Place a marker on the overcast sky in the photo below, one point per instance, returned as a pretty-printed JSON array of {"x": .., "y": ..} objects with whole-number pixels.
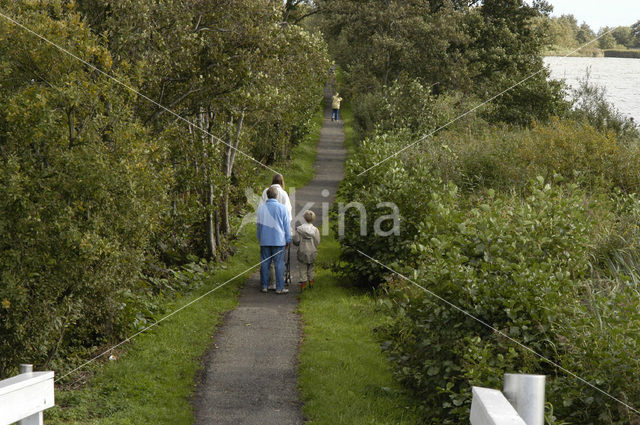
[{"x": 599, "y": 13}]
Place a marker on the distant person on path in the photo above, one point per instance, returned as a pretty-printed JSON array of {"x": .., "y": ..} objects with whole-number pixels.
[
  {"x": 283, "y": 198},
  {"x": 335, "y": 104},
  {"x": 274, "y": 235},
  {"x": 307, "y": 239}
]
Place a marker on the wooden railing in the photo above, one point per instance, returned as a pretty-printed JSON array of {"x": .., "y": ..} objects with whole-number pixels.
[
  {"x": 24, "y": 397},
  {"x": 522, "y": 402}
]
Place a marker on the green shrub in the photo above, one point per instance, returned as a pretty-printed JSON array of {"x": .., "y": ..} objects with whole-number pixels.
[
  {"x": 511, "y": 262},
  {"x": 80, "y": 196},
  {"x": 590, "y": 104},
  {"x": 504, "y": 158},
  {"x": 551, "y": 265}
]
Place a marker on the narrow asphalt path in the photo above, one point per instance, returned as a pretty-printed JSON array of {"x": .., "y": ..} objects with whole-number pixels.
[{"x": 250, "y": 373}]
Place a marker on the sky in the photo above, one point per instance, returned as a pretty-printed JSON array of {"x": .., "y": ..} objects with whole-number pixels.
[{"x": 599, "y": 13}]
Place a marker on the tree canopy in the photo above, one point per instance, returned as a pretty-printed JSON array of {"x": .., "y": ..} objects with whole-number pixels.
[{"x": 101, "y": 187}]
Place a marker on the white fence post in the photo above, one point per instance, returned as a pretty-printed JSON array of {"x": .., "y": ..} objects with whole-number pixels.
[
  {"x": 24, "y": 397},
  {"x": 37, "y": 418},
  {"x": 526, "y": 394},
  {"x": 521, "y": 404},
  {"x": 490, "y": 407}
]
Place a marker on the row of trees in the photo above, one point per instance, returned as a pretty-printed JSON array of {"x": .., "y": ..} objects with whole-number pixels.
[
  {"x": 448, "y": 46},
  {"x": 566, "y": 32},
  {"x": 100, "y": 188}
]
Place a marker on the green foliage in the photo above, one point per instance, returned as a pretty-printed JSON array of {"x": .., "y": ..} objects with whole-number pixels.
[
  {"x": 508, "y": 159},
  {"x": 564, "y": 35},
  {"x": 81, "y": 192},
  {"x": 590, "y": 104},
  {"x": 606, "y": 40},
  {"x": 446, "y": 47},
  {"x": 103, "y": 190},
  {"x": 532, "y": 231},
  {"x": 623, "y": 36},
  {"x": 511, "y": 262},
  {"x": 151, "y": 380},
  {"x": 523, "y": 216}
]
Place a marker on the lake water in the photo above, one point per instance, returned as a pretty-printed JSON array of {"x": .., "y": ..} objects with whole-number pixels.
[{"x": 620, "y": 77}]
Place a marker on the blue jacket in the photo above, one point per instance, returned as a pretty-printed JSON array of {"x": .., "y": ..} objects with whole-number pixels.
[{"x": 273, "y": 224}]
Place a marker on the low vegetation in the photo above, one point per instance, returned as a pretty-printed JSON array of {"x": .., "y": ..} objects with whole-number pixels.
[
  {"x": 633, "y": 54},
  {"x": 523, "y": 214},
  {"x": 151, "y": 380},
  {"x": 530, "y": 230}
]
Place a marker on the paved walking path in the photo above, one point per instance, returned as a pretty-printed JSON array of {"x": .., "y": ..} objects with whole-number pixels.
[{"x": 250, "y": 374}]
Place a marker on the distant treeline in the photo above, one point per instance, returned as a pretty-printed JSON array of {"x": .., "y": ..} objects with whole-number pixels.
[
  {"x": 635, "y": 54},
  {"x": 565, "y": 33}
]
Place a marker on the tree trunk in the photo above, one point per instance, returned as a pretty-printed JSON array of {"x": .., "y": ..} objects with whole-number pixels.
[
  {"x": 212, "y": 246},
  {"x": 226, "y": 225},
  {"x": 229, "y": 160},
  {"x": 217, "y": 226},
  {"x": 209, "y": 228}
]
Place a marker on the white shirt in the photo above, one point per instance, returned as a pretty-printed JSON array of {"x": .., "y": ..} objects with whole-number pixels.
[{"x": 283, "y": 198}]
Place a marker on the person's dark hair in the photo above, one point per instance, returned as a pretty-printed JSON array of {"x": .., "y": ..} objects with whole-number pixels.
[
  {"x": 278, "y": 179},
  {"x": 272, "y": 192}
]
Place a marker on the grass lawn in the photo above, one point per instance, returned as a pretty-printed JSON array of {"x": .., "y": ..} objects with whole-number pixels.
[
  {"x": 344, "y": 378},
  {"x": 154, "y": 377}
]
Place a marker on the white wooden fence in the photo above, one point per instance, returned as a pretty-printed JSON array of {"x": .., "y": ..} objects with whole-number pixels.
[
  {"x": 24, "y": 397},
  {"x": 522, "y": 402}
]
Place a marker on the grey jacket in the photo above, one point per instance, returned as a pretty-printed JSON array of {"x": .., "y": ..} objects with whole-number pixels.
[{"x": 307, "y": 239}]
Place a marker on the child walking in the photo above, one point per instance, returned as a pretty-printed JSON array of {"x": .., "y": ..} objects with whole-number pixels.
[{"x": 307, "y": 239}]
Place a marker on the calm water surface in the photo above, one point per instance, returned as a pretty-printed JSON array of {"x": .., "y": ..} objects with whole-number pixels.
[{"x": 620, "y": 77}]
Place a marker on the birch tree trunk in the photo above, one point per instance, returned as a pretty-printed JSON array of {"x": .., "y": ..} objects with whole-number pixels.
[
  {"x": 209, "y": 227},
  {"x": 212, "y": 245},
  {"x": 229, "y": 160}
]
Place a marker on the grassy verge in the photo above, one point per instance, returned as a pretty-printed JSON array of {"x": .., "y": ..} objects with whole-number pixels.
[
  {"x": 153, "y": 379},
  {"x": 344, "y": 378},
  {"x": 349, "y": 135},
  {"x": 299, "y": 171}
]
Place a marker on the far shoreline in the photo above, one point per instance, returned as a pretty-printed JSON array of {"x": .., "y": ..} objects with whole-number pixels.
[{"x": 595, "y": 53}]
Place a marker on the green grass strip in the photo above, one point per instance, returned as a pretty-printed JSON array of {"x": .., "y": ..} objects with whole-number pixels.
[
  {"x": 344, "y": 377},
  {"x": 299, "y": 171}
]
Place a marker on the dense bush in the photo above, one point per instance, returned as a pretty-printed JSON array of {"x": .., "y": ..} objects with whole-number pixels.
[
  {"x": 505, "y": 158},
  {"x": 549, "y": 260},
  {"x": 521, "y": 212},
  {"x": 508, "y": 261},
  {"x": 80, "y": 193}
]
